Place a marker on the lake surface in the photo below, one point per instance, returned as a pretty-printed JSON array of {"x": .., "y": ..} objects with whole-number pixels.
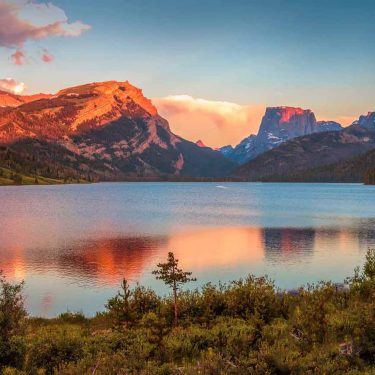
[{"x": 72, "y": 244}]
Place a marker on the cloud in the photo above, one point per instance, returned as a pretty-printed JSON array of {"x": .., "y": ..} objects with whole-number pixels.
[
  {"x": 12, "y": 86},
  {"x": 25, "y": 20},
  {"x": 216, "y": 123},
  {"x": 18, "y": 57},
  {"x": 46, "y": 56}
]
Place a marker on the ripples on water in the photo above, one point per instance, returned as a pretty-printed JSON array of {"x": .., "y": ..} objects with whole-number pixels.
[{"x": 74, "y": 243}]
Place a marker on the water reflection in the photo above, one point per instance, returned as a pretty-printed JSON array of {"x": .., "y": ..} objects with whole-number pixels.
[
  {"x": 292, "y": 256},
  {"x": 106, "y": 261},
  {"x": 281, "y": 244},
  {"x": 217, "y": 247},
  {"x": 73, "y": 244}
]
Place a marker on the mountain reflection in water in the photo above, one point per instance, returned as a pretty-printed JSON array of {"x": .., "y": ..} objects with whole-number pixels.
[{"x": 89, "y": 267}]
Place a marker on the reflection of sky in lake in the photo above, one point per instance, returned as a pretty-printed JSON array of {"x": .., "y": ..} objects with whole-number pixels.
[{"x": 72, "y": 244}]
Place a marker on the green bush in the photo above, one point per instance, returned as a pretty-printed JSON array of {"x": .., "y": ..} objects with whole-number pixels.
[{"x": 52, "y": 347}]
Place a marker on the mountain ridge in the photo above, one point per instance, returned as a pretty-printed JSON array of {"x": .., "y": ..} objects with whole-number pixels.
[
  {"x": 112, "y": 124},
  {"x": 308, "y": 152}
]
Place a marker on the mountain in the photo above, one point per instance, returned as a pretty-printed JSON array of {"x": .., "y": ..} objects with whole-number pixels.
[
  {"x": 349, "y": 170},
  {"x": 108, "y": 129},
  {"x": 328, "y": 126},
  {"x": 367, "y": 121},
  {"x": 278, "y": 125},
  {"x": 241, "y": 152},
  {"x": 299, "y": 159}
]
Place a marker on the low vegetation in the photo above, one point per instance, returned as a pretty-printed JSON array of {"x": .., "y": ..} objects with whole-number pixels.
[{"x": 244, "y": 327}]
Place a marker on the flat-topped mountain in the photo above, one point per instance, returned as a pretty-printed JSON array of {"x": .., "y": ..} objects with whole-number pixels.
[
  {"x": 110, "y": 129},
  {"x": 283, "y": 123}
]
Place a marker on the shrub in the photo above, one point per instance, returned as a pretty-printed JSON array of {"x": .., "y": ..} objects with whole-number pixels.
[
  {"x": 52, "y": 347},
  {"x": 12, "y": 319}
]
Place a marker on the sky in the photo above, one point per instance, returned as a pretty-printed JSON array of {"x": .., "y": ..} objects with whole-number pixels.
[{"x": 210, "y": 66}]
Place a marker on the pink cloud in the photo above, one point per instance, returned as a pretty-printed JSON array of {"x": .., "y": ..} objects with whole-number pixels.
[
  {"x": 12, "y": 86},
  {"x": 47, "y": 57},
  {"x": 18, "y": 57},
  {"x": 25, "y": 20},
  {"x": 217, "y": 123}
]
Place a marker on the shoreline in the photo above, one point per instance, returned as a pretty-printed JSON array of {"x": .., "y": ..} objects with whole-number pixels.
[{"x": 182, "y": 181}]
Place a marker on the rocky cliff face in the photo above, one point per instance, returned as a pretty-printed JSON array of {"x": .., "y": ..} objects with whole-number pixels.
[
  {"x": 111, "y": 124},
  {"x": 282, "y": 123}
]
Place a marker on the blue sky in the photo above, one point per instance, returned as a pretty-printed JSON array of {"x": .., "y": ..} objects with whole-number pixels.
[{"x": 314, "y": 54}]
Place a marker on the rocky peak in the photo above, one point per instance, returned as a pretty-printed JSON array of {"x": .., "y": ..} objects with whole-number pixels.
[
  {"x": 107, "y": 101},
  {"x": 367, "y": 121},
  {"x": 77, "y": 110},
  {"x": 287, "y": 122},
  {"x": 242, "y": 151}
]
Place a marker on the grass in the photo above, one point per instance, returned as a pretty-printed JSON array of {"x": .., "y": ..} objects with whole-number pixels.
[{"x": 7, "y": 173}]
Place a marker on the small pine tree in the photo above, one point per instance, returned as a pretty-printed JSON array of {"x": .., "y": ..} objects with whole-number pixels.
[
  {"x": 173, "y": 277},
  {"x": 119, "y": 306}
]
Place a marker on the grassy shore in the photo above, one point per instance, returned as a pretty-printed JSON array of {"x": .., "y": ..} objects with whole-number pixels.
[
  {"x": 244, "y": 327},
  {"x": 12, "y": 177}
]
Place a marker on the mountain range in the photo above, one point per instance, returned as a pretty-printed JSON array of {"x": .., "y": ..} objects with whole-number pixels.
[{"x": 111, "y": 131}]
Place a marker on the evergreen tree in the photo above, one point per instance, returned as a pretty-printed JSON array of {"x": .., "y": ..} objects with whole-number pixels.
[{"x": 173, "y": 277}]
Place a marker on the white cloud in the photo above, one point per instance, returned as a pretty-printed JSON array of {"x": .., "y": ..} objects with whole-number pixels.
[{"x": 12, "y": 86}]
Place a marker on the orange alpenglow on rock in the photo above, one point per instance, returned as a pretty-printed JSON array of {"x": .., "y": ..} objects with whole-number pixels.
[
  {"x": 109, "y": 129},
  {"x": 200, "y": 143}
]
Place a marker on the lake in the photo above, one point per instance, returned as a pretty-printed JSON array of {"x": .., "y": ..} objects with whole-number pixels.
[{"x": 72, "y": 244}]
